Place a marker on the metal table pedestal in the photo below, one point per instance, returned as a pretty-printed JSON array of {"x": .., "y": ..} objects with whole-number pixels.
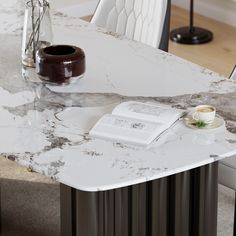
[{"x": 184, "y": 204}]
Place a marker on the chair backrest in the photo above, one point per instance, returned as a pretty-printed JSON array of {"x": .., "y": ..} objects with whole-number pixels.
[
  {"x": 233, "y": 74},
  {"x": 146, "y": 21}
]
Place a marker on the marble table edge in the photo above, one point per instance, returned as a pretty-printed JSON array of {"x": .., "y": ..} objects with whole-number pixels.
[{"x": 137, "y": 180}]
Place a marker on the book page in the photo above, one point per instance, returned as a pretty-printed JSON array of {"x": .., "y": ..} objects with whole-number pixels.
[
  {"x": 131, "y": 130},
  {"x": 148, "y": 111}
]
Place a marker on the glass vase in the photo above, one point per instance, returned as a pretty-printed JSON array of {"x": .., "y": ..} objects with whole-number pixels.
[{"x": 37, "y": 30}]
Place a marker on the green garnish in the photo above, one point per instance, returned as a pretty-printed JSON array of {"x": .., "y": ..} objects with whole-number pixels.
[{"x": 200, "y": 124}]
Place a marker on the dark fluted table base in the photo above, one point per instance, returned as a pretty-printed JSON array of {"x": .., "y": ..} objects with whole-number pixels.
[{"x": 184, "y": 204}]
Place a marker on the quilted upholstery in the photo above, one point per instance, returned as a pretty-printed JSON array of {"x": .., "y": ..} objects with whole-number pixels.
[{"x": 140, "y": 20}]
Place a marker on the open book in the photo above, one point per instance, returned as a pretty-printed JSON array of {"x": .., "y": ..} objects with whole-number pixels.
[{"x": 136, "y": 122}]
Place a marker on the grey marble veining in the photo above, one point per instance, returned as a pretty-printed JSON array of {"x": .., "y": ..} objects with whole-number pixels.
[{"x": 46, "y": 127}]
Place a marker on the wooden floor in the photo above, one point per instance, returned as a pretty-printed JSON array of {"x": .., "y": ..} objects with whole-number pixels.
[{"x": 219, "y": 55}]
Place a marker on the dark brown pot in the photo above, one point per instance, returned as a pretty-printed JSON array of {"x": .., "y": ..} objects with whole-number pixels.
[{"x": 59, "y": 63}]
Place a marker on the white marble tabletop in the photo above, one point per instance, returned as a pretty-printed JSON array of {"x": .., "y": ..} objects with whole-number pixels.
[{"x": 50, "y": 134}]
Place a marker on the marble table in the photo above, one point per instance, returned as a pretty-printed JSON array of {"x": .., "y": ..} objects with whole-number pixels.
[{"x": 108, "y": 187}]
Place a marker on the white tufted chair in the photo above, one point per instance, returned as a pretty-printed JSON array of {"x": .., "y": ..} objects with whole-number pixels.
[
  {"x": 233, "y": 74},
  {"x": 146, "y": 21},
  {"x": 227, "y": 168}
]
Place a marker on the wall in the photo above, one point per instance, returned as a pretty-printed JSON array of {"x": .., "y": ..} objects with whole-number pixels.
[{"x": 221, "y": 10}]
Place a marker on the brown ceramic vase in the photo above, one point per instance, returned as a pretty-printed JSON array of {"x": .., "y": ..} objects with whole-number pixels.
[{"x": 59, "y": 64}]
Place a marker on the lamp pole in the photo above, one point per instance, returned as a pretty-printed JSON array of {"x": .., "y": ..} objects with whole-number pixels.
[{"x": 191, "y": 34}]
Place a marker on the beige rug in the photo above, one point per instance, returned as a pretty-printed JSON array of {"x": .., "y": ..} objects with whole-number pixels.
[
  {"x": 225, "y": 211},
  {"x": 30, "y": 209}
]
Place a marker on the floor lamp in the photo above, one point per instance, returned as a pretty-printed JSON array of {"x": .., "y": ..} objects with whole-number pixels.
[{"x": 191, "y": 34}]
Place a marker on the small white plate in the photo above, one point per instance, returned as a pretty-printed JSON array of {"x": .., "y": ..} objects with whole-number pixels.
[{"x": 217, "y": 123}]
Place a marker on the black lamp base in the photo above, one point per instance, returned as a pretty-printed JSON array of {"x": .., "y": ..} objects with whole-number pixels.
[{"x": 187, "y": 35}]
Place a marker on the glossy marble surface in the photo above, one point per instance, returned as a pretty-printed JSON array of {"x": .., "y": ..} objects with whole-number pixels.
[{"x": 46, "y": 127}]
